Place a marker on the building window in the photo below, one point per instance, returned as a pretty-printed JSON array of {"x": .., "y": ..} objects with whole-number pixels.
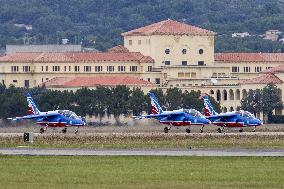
[
  {"x": 157, "y": 81},
  {"x": 14, "y": 68},
  {"x": 87, "y": 68},
  {"x": 98, "y": 68},
  {"x": 150, "y": 68},
  {"x": 235, "y": 69},
  {"x": 26, "y": 68},
  {"x": 69, "y": 68},
  {"x": 77, "y": 68},
  {"x": 56, "y": 68},
  {"x": 246, "y": 69},
  {"x": 184, "y": 63},
  {"x": 121, "y": 68},
  {"x": 148, "y": 41},
  {"x": 183, "y": 51},
  {"x": 130, "y": 42},
  {"x": 110, "y": 68},
  {"x": 42, "y": 68},
  {"x": 15, "y": 81},
  {"x": 268, "y": 67},
  {"x": 193, "y": 75},
  {"x": 167, "y": 51},
  {"x": 201, "y": 51},
  {"x": 46, "y": 68},
  {"x": 201, "y": 63},
  {"x": 65, "y": 68},
  {"x": 139, "y": 42},
  {"x": 133, "y": 68},
  {"x": 167, "y": 62},
  {"x": 27, "y": 84},
  {"x": 187, "y": 74},
  {"x": 149, "y": 79},
  {"x": 257, "y": 69},
  {"x": 180, "y": 74}
]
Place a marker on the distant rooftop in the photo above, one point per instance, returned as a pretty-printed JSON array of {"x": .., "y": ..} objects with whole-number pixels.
[
  {"x": 264, "y": 79},
  {"x": 249, "y": 57},
  {"x": 169, "y": 27},
  {"x": 77, "y": 57},
  {"x": 78, "y": 82},
  {"x": 11, "y": 49}
]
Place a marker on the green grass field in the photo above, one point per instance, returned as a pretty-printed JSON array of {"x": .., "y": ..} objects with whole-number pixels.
[{"x": 140, "y": 172}]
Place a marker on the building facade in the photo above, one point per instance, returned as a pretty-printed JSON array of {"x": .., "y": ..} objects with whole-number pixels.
[{"x": 168, "y": 54}]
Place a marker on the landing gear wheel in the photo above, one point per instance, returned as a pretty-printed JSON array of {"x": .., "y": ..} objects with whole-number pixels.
[
  {"x": 188, "y": 130},
  {"x": 219, "y": 130},
  {"x": 241, "y": 130},
  {"x": 41, "y": 131},
  {"x": 64, "y": 130},
  {"x": 201, "y": 130},
  {"x": 166, "y": 129},
  {"x": 76, "y": 131}
]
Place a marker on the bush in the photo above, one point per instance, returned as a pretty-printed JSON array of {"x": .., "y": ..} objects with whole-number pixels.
[{"x": 276, "y": 119}]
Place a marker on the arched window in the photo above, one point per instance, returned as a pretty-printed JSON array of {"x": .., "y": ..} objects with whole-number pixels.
[
  {"x": 225, "y": 109},
  {"x": 201, "y": 51},
  {"x": 245, "y": 94},
  {"x": 238, "y": 94},
  {"x": 231, "y": 109},
  {"x": 218, "y": 95},
  {"x": 211, "y": 92},
  {"x": 225, "y": 95},
  {"x": 231, "y": 93},
  {"x": 167, "y": 51},
  {"x": 184, "y": 51}
]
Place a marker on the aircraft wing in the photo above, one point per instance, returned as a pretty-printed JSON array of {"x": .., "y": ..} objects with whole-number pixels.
[
  {"x": 35, "y": 116},
  {"x": 169, "y": 114}
]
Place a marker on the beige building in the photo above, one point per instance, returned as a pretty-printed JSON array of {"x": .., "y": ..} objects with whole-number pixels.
[{"x": 167, "y": 53}]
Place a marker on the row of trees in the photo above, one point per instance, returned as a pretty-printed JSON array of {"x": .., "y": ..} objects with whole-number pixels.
[
  {"x": 266, "y": 100},
  {"x": 78, "y": 20},
  {"x": 99, "y": 102}
]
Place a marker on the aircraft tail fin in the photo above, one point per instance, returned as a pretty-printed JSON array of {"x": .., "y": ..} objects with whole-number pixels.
[
  {"x": 32, "y": 108},
  {"x": 208, "y": 108},
  {"x": 155, "y": 105}
]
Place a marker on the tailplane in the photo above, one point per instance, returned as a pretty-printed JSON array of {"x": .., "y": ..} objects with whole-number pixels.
[
  {"x": 32, "y": 110},
  {"x": 155, "y": 105},
  {"x": 208, "y": 108}
]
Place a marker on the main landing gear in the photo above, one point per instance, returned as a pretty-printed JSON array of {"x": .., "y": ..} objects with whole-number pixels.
[
  {"x": 77, "y": 130},
  {"x": 188, "y": 130},
  {"x": 241, "y": 130},
  {"x": 219, "y": 130},
  {"x": 42, "y": 130},
  {"x": 201, "y": 130},
  {"x": 166, "y": 129},
  {"x": 64, "y": 130},
  {"x": 254, "y": 129}
]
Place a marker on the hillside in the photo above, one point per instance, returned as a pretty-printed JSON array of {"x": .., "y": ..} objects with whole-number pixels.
[{"x": 102, "y": 21}]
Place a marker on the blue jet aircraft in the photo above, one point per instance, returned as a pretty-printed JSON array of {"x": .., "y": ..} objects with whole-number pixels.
[
  {"x": 182, "y": 117},
  {"x": 230, "y": 119},
  {"x": 57, "y": 118}
]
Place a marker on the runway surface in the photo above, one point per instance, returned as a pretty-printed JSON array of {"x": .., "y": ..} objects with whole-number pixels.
[{"x": 142, "y": 152}]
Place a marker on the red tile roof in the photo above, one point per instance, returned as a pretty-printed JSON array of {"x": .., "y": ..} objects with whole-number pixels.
[
  {"x": 118, "y": 49},
  {"x": 249, "y": 57},
  {"x": 168, "y": 27},
  {"x": 77, "y": 57},
  {"x": 264, "y": 79},
  {"x": 74, "y": 82},
  {"x": 277, "y": 69}
]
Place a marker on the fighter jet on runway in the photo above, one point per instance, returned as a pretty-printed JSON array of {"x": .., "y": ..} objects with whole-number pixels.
[
  {"x": 57, "y": 118},
  {"x": 182, "y": 117},
  {"x": 230, "y": 119}
]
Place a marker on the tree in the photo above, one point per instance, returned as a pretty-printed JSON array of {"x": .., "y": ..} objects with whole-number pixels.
[
  {"x": 192, "y": 100},
  {"x": 253, "y": 101},
  {"x": 174, "y": 98},
  {"x": 271, "y": 99},
  {"x": 137, "y": 101}
]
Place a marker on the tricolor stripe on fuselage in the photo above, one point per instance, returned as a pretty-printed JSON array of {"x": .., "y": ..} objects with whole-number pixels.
[{"x": 208, "y": 109}]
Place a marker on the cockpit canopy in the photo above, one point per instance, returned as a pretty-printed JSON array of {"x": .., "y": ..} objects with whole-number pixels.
[
  {"x": 193, "y": 112},
  {"x": 245, "y": 114},
  {"x": 68, "y": 113}
]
